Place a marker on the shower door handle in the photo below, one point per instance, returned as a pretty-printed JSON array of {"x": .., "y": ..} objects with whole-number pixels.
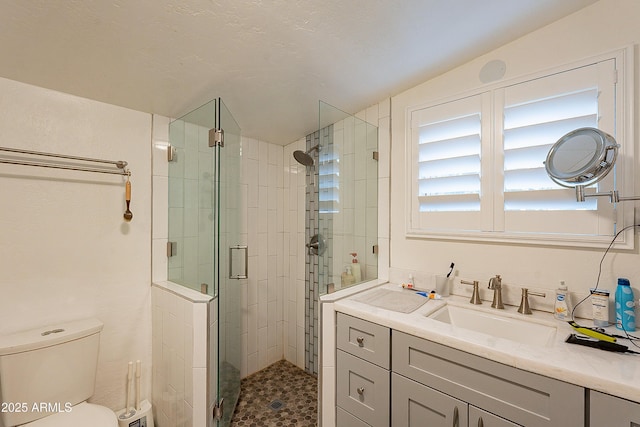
[{"x": 244, "y": 275}]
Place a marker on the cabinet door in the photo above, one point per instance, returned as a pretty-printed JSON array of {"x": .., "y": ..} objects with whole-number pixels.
[
  {"x": 416, "y": 405},
  {"x": 610, "y": 411},
  {"x": 345, "y": 419},
  {"x": 480, "y": 418}
]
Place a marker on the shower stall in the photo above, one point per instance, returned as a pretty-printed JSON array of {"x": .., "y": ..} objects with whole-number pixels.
[
  {"x": 208, "y": 246},
  {"x": 341, "y": 218},
  {"x": 207, "y": 249}
]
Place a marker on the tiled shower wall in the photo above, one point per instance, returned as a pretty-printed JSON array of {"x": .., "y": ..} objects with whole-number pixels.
[
  {"x": 263, "y": 300},
  {"x": 295, "y": 255},
  {"x": 312, "y": 261}
]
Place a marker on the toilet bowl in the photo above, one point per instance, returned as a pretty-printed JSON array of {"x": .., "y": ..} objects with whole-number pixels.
[
  {"x": 84, "y": 414},
  {"x": 51, "y": 371}
]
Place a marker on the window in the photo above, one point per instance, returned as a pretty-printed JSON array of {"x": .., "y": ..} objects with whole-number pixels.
[
  {"x": 329, "y": 180},
  {"x": 477, "y": 161},
  {"x": 449, "y": 162},
  {"x": 448, "y": 176}
]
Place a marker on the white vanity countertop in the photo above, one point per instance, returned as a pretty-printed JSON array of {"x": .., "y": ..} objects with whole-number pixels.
[{"x": 614, "y": 373}]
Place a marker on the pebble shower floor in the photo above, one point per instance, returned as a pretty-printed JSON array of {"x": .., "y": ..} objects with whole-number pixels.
[{"x": 279, "y": 395}]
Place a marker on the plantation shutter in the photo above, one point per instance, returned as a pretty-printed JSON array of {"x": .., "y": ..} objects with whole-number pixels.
[
  {"x": 536, "y": 114},
  {"x": 329, "y": 181},
  {"x": 447, "y": 153}
]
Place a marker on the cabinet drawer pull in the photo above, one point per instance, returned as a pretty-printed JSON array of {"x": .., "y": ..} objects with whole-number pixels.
[
  {"x": 480, "y": 422},
  {"x": 456, "y": 417},
  {"x": 360, "y": 341},
  {"x": 360, "y": 390}
]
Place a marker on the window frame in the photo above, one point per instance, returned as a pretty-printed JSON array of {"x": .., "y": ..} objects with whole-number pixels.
[{"x": 624, "y": 172}]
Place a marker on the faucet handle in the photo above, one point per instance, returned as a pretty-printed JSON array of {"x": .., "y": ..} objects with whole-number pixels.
[
  {"x": 524, "y": 302},
  {"x": 475, "y": 297}
]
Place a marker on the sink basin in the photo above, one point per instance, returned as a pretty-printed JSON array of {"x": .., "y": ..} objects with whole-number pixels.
[{"x": 497, "y": 324}]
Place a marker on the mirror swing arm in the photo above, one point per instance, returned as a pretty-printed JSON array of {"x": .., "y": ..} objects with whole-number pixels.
[
  {"x": 614, "y": 196},
  {"x": 581, "y": 158}
]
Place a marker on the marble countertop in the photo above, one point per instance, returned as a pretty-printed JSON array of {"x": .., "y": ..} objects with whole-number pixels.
[{"x": 613, "y": 373}]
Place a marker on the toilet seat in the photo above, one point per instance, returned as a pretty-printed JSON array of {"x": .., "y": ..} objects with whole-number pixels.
[{"x": 81, "y": 415}]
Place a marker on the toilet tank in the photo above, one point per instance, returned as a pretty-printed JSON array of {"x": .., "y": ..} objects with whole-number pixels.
[{"x": 48, "y": 369}]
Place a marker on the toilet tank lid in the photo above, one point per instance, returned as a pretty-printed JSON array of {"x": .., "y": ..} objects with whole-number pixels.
[{"x": 46, "y": 336}]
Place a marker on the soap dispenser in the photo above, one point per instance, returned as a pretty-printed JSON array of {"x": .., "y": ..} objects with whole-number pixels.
[
  {"x": 355, "y": 268},
  {"x": 562, "y": 306}
]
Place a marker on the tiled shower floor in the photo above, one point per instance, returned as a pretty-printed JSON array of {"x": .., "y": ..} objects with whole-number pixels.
[{"x": 279, "y": 395}]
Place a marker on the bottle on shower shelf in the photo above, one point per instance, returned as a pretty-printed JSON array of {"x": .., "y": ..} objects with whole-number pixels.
[
  {"x": 355, "y": 268},
  {"x": 347, "y": 277}
]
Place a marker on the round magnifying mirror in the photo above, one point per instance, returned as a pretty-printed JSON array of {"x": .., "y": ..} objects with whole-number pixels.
[{"x": 581, "y": 157}]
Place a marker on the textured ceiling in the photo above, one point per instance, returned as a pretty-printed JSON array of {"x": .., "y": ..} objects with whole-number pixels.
[{"x": 270, "y": 61}]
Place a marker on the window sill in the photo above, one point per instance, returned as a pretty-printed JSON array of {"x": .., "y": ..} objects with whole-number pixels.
[{"x": 624, "y": 242}]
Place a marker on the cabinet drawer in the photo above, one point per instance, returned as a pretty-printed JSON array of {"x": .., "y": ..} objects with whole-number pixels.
[
  {"x": 520, "y": 396},
  {"x": 364, "y": 339},
  {"x": 345, "y": 419},
  {"x": 362, "y": 389},
  {"x": 416, "y": 405}
]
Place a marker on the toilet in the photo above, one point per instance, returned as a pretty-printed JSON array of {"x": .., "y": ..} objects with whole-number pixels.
[{"x": 48, "y": 373}]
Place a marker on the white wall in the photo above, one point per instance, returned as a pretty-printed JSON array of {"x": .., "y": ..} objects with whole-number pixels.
[
  {"x": 66, "y": 251},
  {"x": 602, "y": 27}
]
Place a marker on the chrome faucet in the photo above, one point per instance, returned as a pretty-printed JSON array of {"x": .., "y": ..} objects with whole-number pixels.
[{"x": 495, "y": 283}]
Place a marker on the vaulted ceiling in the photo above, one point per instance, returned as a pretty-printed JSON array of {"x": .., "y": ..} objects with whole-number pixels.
[{"x": 270, "y": 61}]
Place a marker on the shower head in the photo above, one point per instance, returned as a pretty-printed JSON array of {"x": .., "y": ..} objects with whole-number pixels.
[{"x": 304, "y": 157}]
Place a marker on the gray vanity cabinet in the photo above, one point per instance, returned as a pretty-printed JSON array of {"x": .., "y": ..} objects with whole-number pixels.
[
  {"x": 610, "y": 411},
  {"x": 362, "y": 373},
  {"x": 519, "y": 396},
  {"x": 387, "y": 378}
]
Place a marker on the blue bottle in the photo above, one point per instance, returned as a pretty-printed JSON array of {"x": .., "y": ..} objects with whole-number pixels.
[{"x": 625, "y": 306}]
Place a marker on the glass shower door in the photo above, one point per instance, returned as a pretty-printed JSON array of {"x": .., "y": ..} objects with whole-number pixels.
[
  {"x": 231, "y": 256},
  {"x": 347, "y": 199},
  {"x": 205, "y": 227}
]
